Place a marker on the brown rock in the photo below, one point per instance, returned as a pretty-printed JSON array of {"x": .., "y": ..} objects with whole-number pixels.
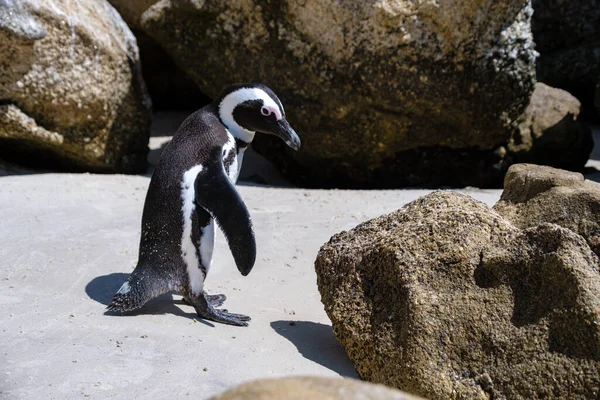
[
  {"x": 71, "y": 93},
  {"x": 534, "y": 195},
  {"x": 551, "y": 133},
  {"x": 447, "y": 299},
  {"x": 383, "y": 93},
  {"x": 305, "y": 388}
]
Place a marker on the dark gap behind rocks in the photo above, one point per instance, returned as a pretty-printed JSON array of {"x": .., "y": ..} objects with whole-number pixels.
[{"x": 169, "y": 87}]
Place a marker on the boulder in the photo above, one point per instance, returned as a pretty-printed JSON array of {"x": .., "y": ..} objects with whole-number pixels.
[
  {"x": 383, "y": 93},
  {"x": 71, "y": 91},
  {"x": 169, "y": 87},
  {"x": 551, "y": 133},
  {"x": 447, "y": 299},
  {"x": 567, "y": 36},
  {"x": 534, "y": 195},
  {"x": 308, "y": 388}
]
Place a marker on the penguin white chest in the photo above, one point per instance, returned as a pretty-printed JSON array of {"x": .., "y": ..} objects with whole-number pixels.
[
  {"x": 189, "y": 253},
  {"x": 197, "y": 260}
]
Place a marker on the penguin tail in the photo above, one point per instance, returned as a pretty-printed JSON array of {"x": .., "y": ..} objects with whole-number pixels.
[
  {"x": 136, "y": 292},
  {"x": 128, "y": 298}
]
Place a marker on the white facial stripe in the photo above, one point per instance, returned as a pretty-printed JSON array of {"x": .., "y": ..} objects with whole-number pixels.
[
  {"x": 233, "y": 99},
  {"x": 188, "y": 251}
]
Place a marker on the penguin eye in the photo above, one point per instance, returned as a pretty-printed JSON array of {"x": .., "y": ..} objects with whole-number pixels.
[{"x": 265, "y": 111}]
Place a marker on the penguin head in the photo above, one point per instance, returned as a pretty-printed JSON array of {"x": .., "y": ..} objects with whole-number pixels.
[{"x": 252, "y": 107}]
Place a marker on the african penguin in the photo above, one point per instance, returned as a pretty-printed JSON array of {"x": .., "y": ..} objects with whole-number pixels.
[{"x": 192, "y": 188}]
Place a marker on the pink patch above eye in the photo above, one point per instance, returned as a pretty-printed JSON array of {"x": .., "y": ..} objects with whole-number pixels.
[{"x": 267, "y": 110}]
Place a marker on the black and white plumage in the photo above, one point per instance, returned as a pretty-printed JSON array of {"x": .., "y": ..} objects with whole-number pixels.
[{"x": 191, "y": 188}]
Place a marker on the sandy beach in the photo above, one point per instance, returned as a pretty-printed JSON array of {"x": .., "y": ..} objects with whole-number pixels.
[
  {"x": 441, "y": 95},
  {"x": 69, "y": 242}
]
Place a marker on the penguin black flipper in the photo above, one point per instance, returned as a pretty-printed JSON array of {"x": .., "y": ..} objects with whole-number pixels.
[{"x": 218, "y": 196}]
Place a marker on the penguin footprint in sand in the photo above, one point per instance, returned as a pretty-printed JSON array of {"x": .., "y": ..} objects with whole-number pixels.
[{"x": 191, "y": 188}]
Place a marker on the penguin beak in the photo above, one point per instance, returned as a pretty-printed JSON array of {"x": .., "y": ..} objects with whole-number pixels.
[{"x": 287, "y": 134}]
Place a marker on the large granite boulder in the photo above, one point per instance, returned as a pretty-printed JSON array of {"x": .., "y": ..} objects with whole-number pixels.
[
  {"x": 446, "y": 299},
  {"x": 309, "y": 388},
  {"x": 71, "y": 91},
  {"x": 383, "y": 93},
  {"x": 551, "y": 133},
  {"x": 535, "y": 194},
  {"x": 567, "y": 36}
]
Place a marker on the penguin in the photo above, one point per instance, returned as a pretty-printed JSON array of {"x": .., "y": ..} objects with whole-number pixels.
[{"x": 191, "y": 190}]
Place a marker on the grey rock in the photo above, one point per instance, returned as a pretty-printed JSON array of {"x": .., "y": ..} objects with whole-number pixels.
[
  {"x": 15, "y": 20},
  {"x": 71, "y": 91}
]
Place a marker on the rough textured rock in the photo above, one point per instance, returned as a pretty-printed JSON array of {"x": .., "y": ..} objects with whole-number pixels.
[
  {"x": 446, "y": 299},
  {"x": 71, "y": 92},
  {"x": 168, "y": 85},
  {"x": 567, "y": 36},
  {"x": 551, "y": 132},
  {"x": 383, "y": 93},
  {"x": 534, "y": 195},
  {"x": 305, "y": 388}
]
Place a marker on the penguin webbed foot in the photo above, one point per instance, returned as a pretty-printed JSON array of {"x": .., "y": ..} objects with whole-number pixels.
[
  {"x": 205, "y": 307},
  {"x": 215, "y": 300}
]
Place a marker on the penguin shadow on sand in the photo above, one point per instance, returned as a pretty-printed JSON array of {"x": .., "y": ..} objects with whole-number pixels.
[
  {"x": 317, "y": 343},
  {"x": 102, "y": 288}
]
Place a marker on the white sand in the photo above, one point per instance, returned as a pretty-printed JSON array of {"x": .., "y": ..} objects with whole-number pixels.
[{"x": 68, "y": 243}]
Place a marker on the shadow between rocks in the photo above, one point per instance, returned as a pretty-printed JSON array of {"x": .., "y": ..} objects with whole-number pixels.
[
  {"x": 317, "y": 343},
  {"x": 102, "y": 288},
  {"x": 595, "y": 155},
  {"x": 592, "y": 174}
]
